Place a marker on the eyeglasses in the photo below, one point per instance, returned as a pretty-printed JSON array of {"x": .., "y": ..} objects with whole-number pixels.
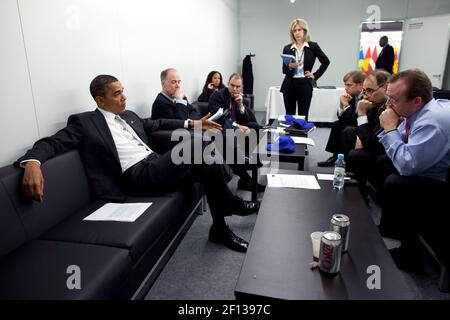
[
  {"x": 391, "y": 99},
  {"x": 369, "y": 91}
]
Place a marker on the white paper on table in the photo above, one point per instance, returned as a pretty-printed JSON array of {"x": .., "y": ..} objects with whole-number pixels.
[
  {"x": 277, "y": 130},
  {"x": 329, "y": 177},
  {"x": 303, "y": 140},
  {"x": 123, "y": 212},
  {"x": 292, "y": 181},
  {"x": 283, "y": 117}
]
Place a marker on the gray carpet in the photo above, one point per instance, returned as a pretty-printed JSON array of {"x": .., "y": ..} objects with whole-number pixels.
[{"x": 201, "y": 270}]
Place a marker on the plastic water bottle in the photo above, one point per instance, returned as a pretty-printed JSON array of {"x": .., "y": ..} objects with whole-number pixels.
[{"x": 339, "y": 172}]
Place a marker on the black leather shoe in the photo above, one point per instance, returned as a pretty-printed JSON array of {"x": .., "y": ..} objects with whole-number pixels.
[
  {"x": 327, "y": 163},
  {"x": 250, "y": 163},
  {"x": 225, "y": 236},
  {"x": 247, "y": 185},
  {"x": 245, "y": 208},
  {"x": 408, "y": 261}
]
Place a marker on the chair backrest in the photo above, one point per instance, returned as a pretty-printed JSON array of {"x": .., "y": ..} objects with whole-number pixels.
[
  {"x": 12, "y": 232},
  {"x": 66, "y": 191},
  {"x": 201, "y": 107},
  {"x": 441, "y": 94}
]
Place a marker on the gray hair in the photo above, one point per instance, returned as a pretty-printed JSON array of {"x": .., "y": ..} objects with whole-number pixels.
[{"x": 164, "y": 73}]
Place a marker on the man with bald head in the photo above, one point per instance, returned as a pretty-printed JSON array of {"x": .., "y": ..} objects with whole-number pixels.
[{"x": 171, "y": 102}]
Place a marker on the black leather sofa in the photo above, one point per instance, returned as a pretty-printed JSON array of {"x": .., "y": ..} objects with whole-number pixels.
[{"x": 39, "y": 242}]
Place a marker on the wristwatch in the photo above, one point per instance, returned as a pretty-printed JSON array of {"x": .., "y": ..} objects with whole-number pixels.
[{"x": 190, "y": 124}]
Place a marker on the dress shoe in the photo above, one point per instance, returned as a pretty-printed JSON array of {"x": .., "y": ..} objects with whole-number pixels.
[
  {"x": 224, "y": 235},
  {"x": 250, "y": 162},
  {"x": 327, "y": 163},
  {"x": 408, "y": 260},
  {"x": 244, "y": 184},
  {"x": 245, "y": 208}
]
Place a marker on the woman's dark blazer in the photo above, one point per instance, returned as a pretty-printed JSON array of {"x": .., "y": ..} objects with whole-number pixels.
[{"x": 311, "y": 53}]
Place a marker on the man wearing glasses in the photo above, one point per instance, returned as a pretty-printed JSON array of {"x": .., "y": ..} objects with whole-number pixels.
[
  {"x": 365, "y": 148},
  {"x": 416, "y": 136}
]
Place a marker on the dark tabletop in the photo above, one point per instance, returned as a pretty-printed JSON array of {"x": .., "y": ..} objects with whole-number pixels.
[{"x": 277, "y": 261}]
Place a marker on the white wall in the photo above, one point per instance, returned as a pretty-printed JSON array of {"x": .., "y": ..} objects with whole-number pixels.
[
  {"x": 52, "y": 49},
  {"x": 335, "y": 25}
]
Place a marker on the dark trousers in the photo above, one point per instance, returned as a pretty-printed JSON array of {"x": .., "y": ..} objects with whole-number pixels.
[
  {"x": 157, "y": 174},
  {"x": 348, "y": 139},
  {"x": 414, "y": 205},
  {"x": 335, "y": 143},
  {"x": 299, "y": 93}
]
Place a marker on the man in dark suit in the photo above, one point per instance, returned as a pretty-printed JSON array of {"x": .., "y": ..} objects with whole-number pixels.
[
  {"x": 171, "y": 102},
  {"x": 353, "y": 83},
  {"x": 235, "y": 117},
  {"x": 385, "y": 59},
  {"x": 230, "y": 99},
  {"x": 367, "y": 159},
  {"x": 113, "y": 145}
]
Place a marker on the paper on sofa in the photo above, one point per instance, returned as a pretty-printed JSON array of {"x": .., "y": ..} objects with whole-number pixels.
[{"x": 122, "y": 212}]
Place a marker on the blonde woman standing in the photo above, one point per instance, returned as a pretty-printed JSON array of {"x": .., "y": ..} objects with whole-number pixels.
[{"x": 297, "y": 87}]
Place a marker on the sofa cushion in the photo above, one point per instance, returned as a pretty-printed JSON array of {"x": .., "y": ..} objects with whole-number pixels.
[
  {"x": 66, "y": 191},
  {"x": 135, "y": 236},
  {"x": 12, "y": 233},
  {"x": 38, "y": 270}
]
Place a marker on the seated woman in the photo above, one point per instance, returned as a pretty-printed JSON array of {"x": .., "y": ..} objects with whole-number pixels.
[{"x": 213, "y": 83}]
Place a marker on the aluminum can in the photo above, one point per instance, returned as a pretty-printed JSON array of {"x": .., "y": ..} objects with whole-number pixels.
[
  {"x": 330, "y": 252},
  {"x": 341, "y": 224}
]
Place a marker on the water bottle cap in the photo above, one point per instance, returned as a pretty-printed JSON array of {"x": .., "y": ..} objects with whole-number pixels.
[{"x": 340, "y": 156}]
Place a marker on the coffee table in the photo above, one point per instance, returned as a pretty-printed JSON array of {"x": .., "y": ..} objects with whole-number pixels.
[
  {"x": 298, "y": 156},
  {"x": 276, "y": 265}
]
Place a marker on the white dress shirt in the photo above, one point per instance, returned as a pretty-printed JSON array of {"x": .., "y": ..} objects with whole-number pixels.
[
  {"x": 300, "y": 57},
  {"x": 130, "y": 148}
]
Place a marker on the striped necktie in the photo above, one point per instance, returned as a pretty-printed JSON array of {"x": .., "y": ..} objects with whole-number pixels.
[{"x": 130, "y": 130}]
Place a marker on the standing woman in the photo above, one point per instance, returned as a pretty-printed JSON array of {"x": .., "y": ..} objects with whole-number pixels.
[
  {"x": 297, "y": 87},
  {"x": 213, "y": 83}
]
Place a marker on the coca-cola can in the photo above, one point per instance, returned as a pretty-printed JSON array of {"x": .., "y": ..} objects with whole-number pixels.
[
  {"x": 330, "y": 252},
  {"x": 341, "y": 224}
]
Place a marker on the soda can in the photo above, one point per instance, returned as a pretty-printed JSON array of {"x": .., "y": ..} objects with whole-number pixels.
[
  {"x": 341, "y": 224},
  {"x": 330, "y": 252}
]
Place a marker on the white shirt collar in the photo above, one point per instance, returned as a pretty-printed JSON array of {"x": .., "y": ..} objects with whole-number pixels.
[
  {"x": 294, "y": 45},
  {"x": 107, "y": 114}
]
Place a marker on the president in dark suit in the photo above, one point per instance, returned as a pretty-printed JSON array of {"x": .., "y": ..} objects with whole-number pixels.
[
  {"x": 297, "y": 88},
  {"x": 171, "y": 103},
  {"x": 113, "y": 144},
  {"x": 385, "y": 59}
]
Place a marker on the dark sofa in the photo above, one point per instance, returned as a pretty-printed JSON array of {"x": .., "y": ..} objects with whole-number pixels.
[{"x": 40, "y": 241}]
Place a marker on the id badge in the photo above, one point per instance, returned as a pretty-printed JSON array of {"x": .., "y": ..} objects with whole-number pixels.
[{"x": 299, "y": 72}]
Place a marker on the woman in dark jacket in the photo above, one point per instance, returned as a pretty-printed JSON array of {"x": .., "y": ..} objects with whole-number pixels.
[
  {"x": 213, "y": 83},
  {"x": 297, "y": 87}
]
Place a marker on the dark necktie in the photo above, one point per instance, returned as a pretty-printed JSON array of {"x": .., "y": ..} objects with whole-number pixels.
[
  {"x": 407, "y": 130},
  {"x": 233, "y": 109}
]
